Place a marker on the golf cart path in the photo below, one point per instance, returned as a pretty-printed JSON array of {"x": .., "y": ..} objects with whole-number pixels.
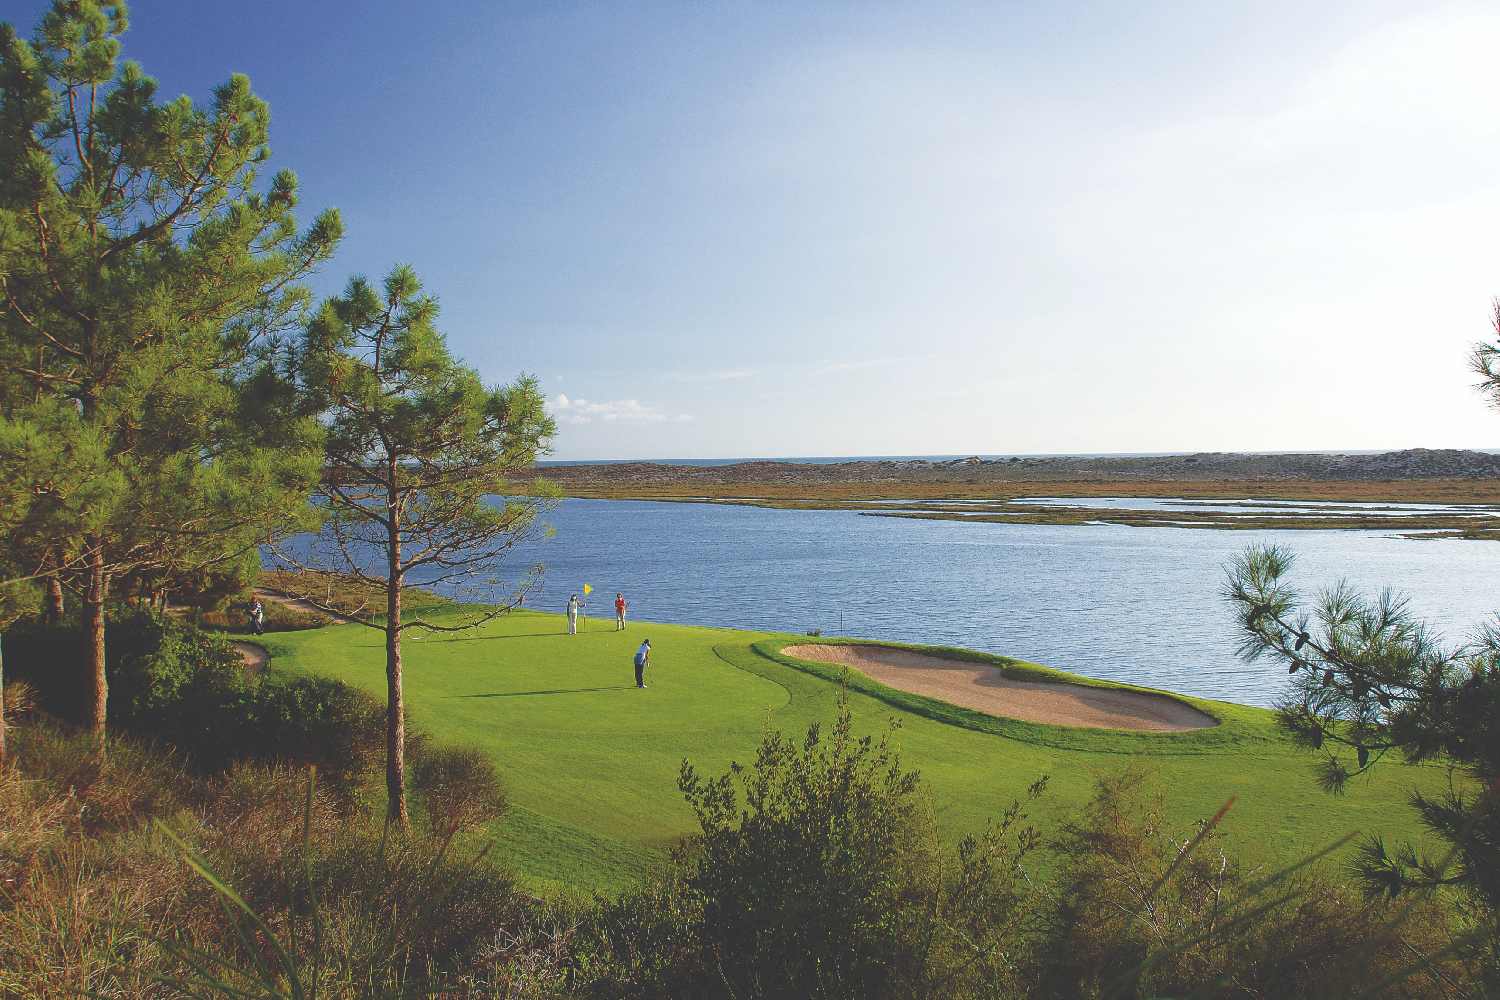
[{"x": 982, "y": 686}]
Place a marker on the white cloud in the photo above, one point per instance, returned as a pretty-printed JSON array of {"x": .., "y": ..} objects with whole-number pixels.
[{"x": 578, "y": 411}]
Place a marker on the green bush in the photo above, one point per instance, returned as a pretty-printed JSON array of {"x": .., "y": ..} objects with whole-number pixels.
[
  {"x": 827, "y": 882},
  {"x": 179, "y": 684},
  {"x": 167, "y": 679},
  {"x": 315, "y": 720},
  {"x": 174, "y": 683},
  {"x": 838, "y": 822}
]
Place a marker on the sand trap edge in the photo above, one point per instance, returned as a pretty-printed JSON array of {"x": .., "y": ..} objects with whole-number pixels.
[{"x": 981, "y": 685}]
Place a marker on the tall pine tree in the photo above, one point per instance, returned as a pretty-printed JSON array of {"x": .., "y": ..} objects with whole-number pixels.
[
  {"x": 418, "y": 453},
  {"x": 142, "y": 262}
]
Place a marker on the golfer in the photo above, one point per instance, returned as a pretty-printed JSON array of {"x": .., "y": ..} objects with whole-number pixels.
[
  {"x": 642, "y": 656},
  {"x": 258, "y": 617},
  {"x": 620, "y": 612},
  {"x": 574, "y": 606}
]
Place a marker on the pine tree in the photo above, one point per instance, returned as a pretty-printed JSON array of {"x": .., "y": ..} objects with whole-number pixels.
[
  {"x": 418, "y": 452},
  {"x": 1368, "y": 678},
  {"x": 142, "y": 265}
]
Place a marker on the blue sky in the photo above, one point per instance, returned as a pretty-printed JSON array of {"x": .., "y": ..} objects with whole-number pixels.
[{"x": 791, "y": 229}]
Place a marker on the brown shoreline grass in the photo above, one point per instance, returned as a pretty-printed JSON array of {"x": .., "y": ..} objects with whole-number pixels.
[
  {"x": 1446, "y": 491},
  {"x": 862, "y": 496}
]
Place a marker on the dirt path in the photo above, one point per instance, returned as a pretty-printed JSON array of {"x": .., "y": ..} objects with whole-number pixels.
[
  {"x": 297, "y": 604},
  {"x": 983, "y": 687},
  {"x": 254, "y": 655}
]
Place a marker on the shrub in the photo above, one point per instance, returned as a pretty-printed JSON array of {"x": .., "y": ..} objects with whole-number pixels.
[
  {"x": 120, "y": 790},
  {"x": 183, "y": 686},
  {"x": 168, "y": 680},
  {"x": 646, "y": 942},
  {"x": 20, "y": 700},
  {"x": 415, "y": 909},
  {"x": 532, "y": 960},
  {"x": 161, "y": 666},
  {"x": 79, "y": 922},
  {"x": 177, "y": 684},
  {"x": 1146, "y": 910},
  {"x": 460, "y": 789},
  {"x": 112, "y": 910},
  {"x": 828, "y": 882},
  {"x": 315, "y": 720},
  {"x": 253, "y": 817},
  {"x": 802, "y": 892}
]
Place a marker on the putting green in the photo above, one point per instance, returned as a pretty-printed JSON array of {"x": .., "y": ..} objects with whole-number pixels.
[{"x": 591, "y": 762}]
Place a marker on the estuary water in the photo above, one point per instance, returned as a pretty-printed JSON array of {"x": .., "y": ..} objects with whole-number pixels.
[{"x": 1140, "y": 605}]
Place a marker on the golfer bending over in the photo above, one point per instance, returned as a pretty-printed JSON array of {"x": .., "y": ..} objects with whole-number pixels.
[{"x": 641, "y": 656}]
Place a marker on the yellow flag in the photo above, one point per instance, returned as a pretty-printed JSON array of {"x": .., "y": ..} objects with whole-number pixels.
[{"x": 587, "y": 590}]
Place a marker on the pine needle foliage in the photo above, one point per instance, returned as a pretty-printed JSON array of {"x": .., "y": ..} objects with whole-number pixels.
[
  {"x": 1368, "y": 678},
  {"x": 418, "y": 452},
  {"x": 144, "y": 261}
]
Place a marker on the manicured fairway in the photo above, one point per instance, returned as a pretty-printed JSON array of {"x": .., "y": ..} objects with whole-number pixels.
[{"x": 591, "y": 762}]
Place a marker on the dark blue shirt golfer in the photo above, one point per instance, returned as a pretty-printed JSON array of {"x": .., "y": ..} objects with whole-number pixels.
[{"x": 641, "y": 656}]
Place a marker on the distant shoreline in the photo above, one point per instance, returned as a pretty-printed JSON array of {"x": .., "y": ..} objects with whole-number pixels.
[
  {"x": 1415, "y": 476},
  {"x": 1412, "y": 476},
  {"x": 960, "y": 456}
]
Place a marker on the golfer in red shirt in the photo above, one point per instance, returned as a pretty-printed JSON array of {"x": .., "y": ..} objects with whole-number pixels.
[{"x": 619, "y": 612}]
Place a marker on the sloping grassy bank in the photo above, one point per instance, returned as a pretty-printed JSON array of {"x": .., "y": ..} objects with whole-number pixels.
[{"x": 591, "y": 763}]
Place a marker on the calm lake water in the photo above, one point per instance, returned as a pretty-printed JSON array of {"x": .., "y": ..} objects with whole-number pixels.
[{"x": 1131, "y": 604}]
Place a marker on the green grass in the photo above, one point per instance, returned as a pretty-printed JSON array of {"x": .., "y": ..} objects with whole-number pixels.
[{"x": 591, "y": 763}]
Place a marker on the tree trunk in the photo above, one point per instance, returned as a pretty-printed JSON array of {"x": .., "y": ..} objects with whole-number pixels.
[
  {"x": 54, "y": 612},
  {"x": 93, "y": 632},
  {"x": 395, "y": 711},
  {"x": 94, "y": 598},
  {"x": 2, "y": 702}
]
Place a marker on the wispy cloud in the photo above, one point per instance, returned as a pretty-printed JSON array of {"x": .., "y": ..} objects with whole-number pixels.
[
  {"x": 720, "y": 375},
  {"x": 579, "y": 411},
  {"x": 857, "y": 364}
]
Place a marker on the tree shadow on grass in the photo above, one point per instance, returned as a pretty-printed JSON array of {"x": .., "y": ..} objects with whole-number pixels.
[
  {"x": 430, "y": 638},
  {"x": 520, "y": 694},
  {"x": 516, "y": 635}
]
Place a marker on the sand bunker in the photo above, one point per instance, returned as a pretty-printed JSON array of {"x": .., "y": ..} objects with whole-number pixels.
[
  {"x": 983, "y": 687},
  {"x": 254, "y": 655}
]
